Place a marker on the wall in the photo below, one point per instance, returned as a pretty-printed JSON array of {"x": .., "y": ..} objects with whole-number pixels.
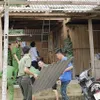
[
  {"x": 80, "y": 40},
  {"x": 96, "y": 35}
]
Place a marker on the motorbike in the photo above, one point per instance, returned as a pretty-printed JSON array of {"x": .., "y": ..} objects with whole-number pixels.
[{"x": 90, "y": 87}]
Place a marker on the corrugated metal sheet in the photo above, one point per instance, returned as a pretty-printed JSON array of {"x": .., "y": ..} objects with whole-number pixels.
[
  {"x": 52, "y": 7},
  {"x": 50, "y": 75}
]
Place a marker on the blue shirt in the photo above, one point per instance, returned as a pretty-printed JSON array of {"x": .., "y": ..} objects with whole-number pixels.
[{"x": 66, "y": 76}]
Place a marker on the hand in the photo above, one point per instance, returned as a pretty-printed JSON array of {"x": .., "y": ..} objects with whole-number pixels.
[
  {"x": 18, "y": 62},
  {"x": 64, "y": 71},
  {"x": 58, "y": 82},
  {"x": 35, "y": 76}
]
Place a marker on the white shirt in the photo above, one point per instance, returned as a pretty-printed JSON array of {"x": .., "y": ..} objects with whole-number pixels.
[{"x": 33, "y": 53}]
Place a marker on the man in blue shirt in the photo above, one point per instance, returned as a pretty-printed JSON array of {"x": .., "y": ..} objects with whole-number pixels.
[{"x": 66, "y": 76}]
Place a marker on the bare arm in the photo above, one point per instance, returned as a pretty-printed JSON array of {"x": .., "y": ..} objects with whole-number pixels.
[
  {"x": 26, "y": 70},
  {"x": 68, "y": 68},
  {"x": 16, "y": 58}
]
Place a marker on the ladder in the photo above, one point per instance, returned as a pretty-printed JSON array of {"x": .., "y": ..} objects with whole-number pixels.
[
  {"x": 44, "y": 38},
  {"x": 44, "y": 34}
]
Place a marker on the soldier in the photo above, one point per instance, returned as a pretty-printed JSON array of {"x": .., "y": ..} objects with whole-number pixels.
[
  {"x": 9, "y": 55},
  {"x": 10, "y": 82},
  {"x": 16, "y": 55},
  {"x": 10, "y": 75}
]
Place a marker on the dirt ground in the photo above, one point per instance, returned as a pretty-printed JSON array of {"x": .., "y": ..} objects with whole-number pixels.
[{"x": 74, "y": 93}]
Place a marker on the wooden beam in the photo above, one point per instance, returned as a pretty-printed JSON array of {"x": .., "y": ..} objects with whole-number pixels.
[
  {"x": 52, "y": 15},
  {"x": 50, "y": 2},
  {"x": 38, "y": 14},
  {"x": 64, "y": 29},
  {"x": 36, "y": 18},
  {"x": 90, "y": 28},
  {"x": 63, "y": 32},
  {"x": 0, "y": 45}
]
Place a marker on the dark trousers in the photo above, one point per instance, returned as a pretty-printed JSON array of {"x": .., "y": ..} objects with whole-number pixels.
[
  {"x": 26, "y": 87},
  {"x": 35, "y": 64},
  {"x": 63, "y": 90}
]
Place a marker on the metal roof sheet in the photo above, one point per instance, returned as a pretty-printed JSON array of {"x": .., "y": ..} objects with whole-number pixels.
[{"x": 56, "y": 8}]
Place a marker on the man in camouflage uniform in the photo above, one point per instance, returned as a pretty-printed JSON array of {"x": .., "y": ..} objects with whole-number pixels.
[
  {"x": 10, "y": 75},
  {"x": 16, "y": 55}
]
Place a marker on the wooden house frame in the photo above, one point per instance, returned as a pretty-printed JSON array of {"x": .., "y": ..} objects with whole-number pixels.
[{"x": 58, "y": 15}]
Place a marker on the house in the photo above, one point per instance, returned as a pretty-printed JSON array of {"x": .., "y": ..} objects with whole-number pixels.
[{"x": 50, "y": 22}]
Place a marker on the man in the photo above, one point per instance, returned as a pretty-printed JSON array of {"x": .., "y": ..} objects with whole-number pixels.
[
  {"x": 41, "y": 64},
  {"x": 10, "y": 81},
  {"x": 16, "y": 54},
  {"x": 37, "y": 72},
  {"x": 10, "y": 74},
  {"x": 24, "y": 73},
  {"x": 66, "y": 75},
  {"x": 34, "y": 55}
]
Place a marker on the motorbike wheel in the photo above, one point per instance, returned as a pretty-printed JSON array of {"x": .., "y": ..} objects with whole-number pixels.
[{"x": 95, "y": 86}]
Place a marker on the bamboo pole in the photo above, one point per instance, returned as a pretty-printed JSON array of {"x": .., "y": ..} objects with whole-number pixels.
[
  {"x": 91, "y": 45},
  {"x": 6, "y": 26}
]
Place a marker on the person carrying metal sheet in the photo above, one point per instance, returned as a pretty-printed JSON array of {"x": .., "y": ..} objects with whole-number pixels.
[
  {"x": 66, "y": 76},
  {"x": 24, "y": 73},
  {"x": 42, "y": 65}
]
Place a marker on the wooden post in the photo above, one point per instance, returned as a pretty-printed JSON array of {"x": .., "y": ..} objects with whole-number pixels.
[
  {"x": 90, "y": 28},
  {"x": 50, "y": 48},
  {"x": 6, "y": 26},
  {"x": 0, "y": 44},
  {"x": 64, "y": 29},
  {"x": 63, "y": 33}
]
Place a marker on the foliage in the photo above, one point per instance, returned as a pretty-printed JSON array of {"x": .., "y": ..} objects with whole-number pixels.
[{"x": 67, "y": 49}]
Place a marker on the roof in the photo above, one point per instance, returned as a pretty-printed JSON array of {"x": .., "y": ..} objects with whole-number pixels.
[
  {"x": 66, "y": 6},
  {"x": 54, "y": 8}
]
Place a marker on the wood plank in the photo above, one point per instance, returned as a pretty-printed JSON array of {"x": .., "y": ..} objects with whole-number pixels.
[
  {"x": 64, "y": 29},
  {"x": 79, "y": 34}
]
